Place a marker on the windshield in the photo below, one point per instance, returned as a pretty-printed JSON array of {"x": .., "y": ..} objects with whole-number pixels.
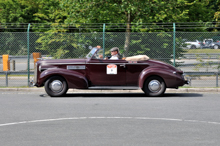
[
  {"x": 95, "y": 53},
  {"x": 90, "y": 54}
]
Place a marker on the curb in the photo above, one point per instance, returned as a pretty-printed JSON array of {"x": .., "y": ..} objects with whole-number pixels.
[{"x": 181, "y": 90}]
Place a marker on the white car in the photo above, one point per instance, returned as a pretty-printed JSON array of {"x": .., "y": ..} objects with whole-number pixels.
[{"x": 193, "y": 44}]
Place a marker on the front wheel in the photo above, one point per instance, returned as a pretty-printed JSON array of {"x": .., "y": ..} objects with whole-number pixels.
[
  {"x": 154, "y": 86},
  {"x": 56, "y": 86}
]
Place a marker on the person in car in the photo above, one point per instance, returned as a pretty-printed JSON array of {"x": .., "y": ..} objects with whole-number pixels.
[{"x": 115, "y": 53}]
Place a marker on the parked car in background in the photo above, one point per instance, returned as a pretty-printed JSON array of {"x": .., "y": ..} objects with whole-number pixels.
[
  {"x": 215, "y": 45},
  {"x": 94, "y": 72},
  {"x": 195, "y": 44},
  {"x": 209, "y": 43}
]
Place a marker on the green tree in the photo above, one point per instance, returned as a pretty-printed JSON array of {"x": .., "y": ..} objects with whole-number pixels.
[
  {"x": 18, "y": 11},
  {"x": 30, "y": 11},
  {"x": 121, "y": 11},
  {"x": 62, "y": 16},
  {"x": 16, "y": 14}
]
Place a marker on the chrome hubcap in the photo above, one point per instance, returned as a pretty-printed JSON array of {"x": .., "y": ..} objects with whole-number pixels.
[
  {"x": 154, "y": 86},
  {"x": 56, "y": 86}
]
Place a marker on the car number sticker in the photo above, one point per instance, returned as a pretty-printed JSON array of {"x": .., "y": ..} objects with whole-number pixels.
[{"x": 111, "y": 69}]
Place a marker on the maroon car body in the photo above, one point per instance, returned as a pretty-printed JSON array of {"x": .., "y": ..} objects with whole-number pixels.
[{"x": 152, "y": 76}]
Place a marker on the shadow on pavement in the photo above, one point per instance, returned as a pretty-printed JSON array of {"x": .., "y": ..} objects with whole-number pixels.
[{"x": 124, "y": 95}]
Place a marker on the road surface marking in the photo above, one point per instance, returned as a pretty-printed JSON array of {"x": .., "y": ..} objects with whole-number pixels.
[{"x": 83, "y": 118}]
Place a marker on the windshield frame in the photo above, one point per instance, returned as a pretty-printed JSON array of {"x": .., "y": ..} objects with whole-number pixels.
[{"x": 91, "y": 53}]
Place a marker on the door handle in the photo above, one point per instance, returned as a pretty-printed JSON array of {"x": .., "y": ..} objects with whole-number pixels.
[{"x": 122, "y": 65}]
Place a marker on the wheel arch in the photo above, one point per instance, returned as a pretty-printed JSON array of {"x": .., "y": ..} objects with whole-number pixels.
[
  {"x": 71, "y": 77},
  {"x": 53, "y": 75},
  {"x": 166, "y": 75}
]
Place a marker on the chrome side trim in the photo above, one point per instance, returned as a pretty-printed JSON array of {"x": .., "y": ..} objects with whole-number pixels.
[
  {"x": 75, "y": 67},
  {"x": 120, "y": 63},
  {"x": 64, "y": 63},
  {"x": 94, "y": 63},
  {"x": 114, "y": 87},
  {"x": 137, "y": 63}
]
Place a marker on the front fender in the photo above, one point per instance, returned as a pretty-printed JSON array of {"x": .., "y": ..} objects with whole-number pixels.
[
  {"x": 167, "y": 75},
  {"x": 74, "y": 79}
]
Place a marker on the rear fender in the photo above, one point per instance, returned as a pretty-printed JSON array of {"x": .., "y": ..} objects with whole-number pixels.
[
  {"x": 74, "y": 79},
  {"x": 167, "y": 75}
]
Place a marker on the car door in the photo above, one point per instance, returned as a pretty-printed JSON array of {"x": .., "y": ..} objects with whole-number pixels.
[{"x": 106, "y": 72}]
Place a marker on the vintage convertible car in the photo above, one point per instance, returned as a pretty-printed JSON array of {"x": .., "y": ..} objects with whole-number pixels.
[{"x": 93, "y": 72}]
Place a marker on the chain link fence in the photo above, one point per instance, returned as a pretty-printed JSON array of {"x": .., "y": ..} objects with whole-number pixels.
[{"x": 201, "y": 68}]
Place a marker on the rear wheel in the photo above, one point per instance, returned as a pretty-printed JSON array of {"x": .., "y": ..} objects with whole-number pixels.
[
  {"x": 154, "y": 86},
  {"x": 215, "y": 46},
  {"x": 193, "y": 47},
  {"x": 56, "y": 86}
]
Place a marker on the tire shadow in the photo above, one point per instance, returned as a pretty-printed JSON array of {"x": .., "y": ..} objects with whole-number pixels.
[{"x": 125, "y": 95}]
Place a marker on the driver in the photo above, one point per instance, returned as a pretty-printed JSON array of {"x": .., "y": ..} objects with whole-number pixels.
[{"x": 115, "y": 53}]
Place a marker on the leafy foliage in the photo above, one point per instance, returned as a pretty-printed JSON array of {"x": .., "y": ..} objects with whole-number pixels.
[
  {"x": 64, "y": 18},
  {"x": 63, "y": 45}
]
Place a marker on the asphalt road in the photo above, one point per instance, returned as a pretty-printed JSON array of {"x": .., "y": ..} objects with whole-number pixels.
[{"x": 109, "y": 119}]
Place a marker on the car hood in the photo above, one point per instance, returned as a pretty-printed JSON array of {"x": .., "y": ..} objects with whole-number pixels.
[{"x": 62, "y": 61}]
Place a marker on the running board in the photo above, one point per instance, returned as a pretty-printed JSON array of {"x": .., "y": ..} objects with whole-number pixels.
[{"x": 113, "y": 88}]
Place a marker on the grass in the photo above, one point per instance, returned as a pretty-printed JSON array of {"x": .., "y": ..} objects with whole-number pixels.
[
  {"x": 15, "y": 87},
  {"x": 205, "y": 51},
  {"x": 17, "y": 75}
]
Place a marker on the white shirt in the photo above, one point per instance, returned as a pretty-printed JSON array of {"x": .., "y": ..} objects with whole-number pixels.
[{"x": 114, "y": 57}]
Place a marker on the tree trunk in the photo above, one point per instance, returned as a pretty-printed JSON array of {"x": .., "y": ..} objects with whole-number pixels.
[{"x": 127, "y": 35}]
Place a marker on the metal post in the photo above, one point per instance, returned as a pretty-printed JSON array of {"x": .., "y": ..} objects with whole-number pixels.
[
  {"x": 103, "y": 40},
  {"x": 13, "y": 65},
  {"x": 217, "y": 79},
  {"x": 28, "y": 51},
  {"x": 6, "y": 78},
  {"x": 174, "y": 44}
]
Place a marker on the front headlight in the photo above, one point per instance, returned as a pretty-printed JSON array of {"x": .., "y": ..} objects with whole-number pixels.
[{"x": 39, "y": 68}]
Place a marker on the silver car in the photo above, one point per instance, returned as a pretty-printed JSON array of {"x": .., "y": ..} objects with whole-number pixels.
[
  {"x": 208, "y": 43},
  {"x": 193, "y": 44}
]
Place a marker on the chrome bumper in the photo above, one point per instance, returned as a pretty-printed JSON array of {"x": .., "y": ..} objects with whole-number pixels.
[
  {"x": 186, "y": 80},
  {"x": 31, "y": 83}
]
